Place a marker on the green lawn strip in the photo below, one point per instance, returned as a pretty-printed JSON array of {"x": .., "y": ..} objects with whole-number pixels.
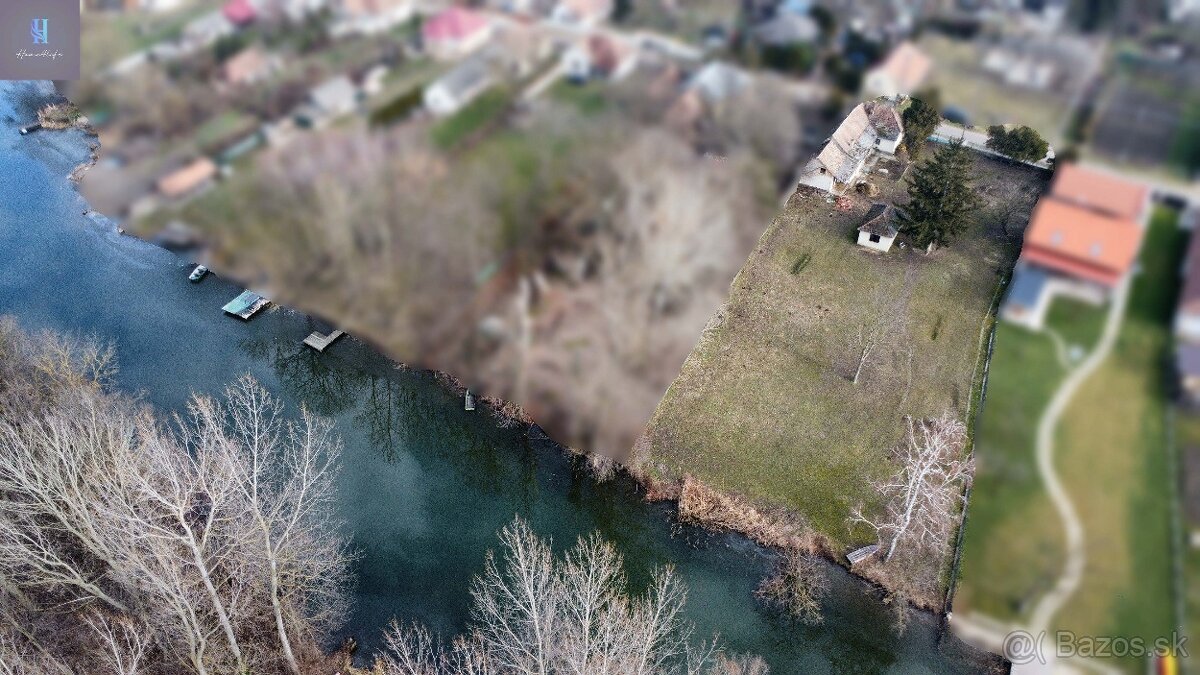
[
  {"x": 589, "y": 98},
  {"x": 1113, "y": 458},
  {"x": 1012, "y": 547},
  {"x": 475, "y": 117},
  {"x": 1079, "y": 323}
]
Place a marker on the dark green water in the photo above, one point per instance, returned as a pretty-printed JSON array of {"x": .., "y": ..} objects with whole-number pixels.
[{"x": 424, "y": 485}]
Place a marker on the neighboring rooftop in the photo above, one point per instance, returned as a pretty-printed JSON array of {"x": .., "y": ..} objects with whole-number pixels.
[
  {"x": 1100, "y": 191},
  {"x": 1080, "y": 241},
  {"x": 455, "y": 23}
]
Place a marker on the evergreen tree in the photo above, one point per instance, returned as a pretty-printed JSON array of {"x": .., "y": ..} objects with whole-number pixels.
[
  {"x": 941, "y": 198},
  {"x": 920, "y": 120}
]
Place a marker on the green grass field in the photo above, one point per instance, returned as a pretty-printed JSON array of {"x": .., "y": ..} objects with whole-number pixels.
[
  {"x": 1114, "y": 460},
  {"x": 1111, "y": 452},
  {"x": 765, "y": 406}
]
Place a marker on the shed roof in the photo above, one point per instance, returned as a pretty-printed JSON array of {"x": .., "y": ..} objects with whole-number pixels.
[{"x": 881, "y": 220}]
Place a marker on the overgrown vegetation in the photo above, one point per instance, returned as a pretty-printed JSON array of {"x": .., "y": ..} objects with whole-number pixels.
[
  {"x": 783, "y": 354},
  {"x": 473, "y": 118},
  {"x": 1020, "y": 143},
  {"x": 920, "y": 120},
  {"x": 60, "y": 115}
]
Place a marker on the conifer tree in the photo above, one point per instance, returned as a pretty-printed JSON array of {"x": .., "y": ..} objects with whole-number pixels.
[{"x": 941, "y": 197}]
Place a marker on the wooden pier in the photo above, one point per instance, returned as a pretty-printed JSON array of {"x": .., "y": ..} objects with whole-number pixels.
[
  {"x": 860, "y": 554},
  {"x": 319, "y": 342},
  {"x": 246, "y": 305}
]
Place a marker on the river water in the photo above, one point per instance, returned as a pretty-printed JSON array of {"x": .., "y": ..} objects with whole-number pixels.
[{"x": 424, "y": 485}]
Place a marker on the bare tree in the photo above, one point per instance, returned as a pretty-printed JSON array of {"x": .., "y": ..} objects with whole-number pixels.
[
  {"x": 284, "y": 476},
  {"x": 123, "y": 644},
  {"x": 923, "y": 499},
  {"x": 797, "y": 586},
  {"x": 533, "y": 613},
  {"x": 153, "y": 541}
]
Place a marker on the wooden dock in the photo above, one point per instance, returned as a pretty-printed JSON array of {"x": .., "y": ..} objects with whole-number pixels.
[
  {"x": 246, "y": 305},
  {"x": 319, "y": 342},
  {"x": 858, "y": 555}
]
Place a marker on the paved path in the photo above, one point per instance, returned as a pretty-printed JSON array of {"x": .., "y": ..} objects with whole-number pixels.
[
  {"x": 1072, "y": 573},
  {"x": 974, "y": 139}
]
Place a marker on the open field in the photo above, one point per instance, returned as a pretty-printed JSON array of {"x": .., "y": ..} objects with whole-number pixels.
[
  {"x": 765, "y": 406},
  {"x": 1111, "y": 452}
]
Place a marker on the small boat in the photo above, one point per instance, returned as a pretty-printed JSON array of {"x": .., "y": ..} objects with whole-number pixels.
[
  {"x": 198, "y": 273},
  {"x": 32, "y": 127},
  {"x": 469, "y": 401}
]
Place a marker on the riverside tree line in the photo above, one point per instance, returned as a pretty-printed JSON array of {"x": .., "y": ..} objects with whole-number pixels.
[{"x": 206, "y": 543}]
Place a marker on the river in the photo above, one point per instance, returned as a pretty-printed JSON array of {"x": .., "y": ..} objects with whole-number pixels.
[{"x": 425, "y": 485}]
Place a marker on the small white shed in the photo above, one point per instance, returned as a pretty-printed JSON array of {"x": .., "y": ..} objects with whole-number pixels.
[{"x": 880, "y": 229}]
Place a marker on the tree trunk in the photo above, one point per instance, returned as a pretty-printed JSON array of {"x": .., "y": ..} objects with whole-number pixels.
[
  {"x": 280, "y": 626},
  {"x": 222, "y": 615}
]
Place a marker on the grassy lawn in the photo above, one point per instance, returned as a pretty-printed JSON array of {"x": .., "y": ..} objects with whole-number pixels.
[
  {"x": 589, "y": 98},
  {"x": 1114, "y": 460},
  {"x": 1111, "y": 453},
  {"x": 765, "y": 406},
  {"x": 476, "y": 116}
]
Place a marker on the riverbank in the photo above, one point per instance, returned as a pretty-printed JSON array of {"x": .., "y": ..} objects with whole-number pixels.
[{"x": 426, "y": 484}]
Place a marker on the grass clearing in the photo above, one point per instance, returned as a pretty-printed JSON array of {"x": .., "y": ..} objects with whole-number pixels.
[
  {"x": 765, "y": 408},
  {"x": 473, "y": 118},
  {"x": 1111, "y": 454},
  {"x": 1114, "y": 460}
]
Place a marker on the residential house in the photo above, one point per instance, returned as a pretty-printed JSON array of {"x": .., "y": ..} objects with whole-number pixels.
[
  {"x": 205, "y": 30},
  {"x": 599, "y": 55},
  {"x": 249, "y": 66},
  {"x": 582, "y": 13},
  {"x": 455, "y": 32},
  {"x": 904, "y": 70},
  {"x": 717, "y": 81},
  {"x": 331, "y": 99},
  {"x": 519, "y": 48},
  {"x": 787, "y": 28},
  {"x": 368, "y": 17},
  {"x": 292, "y": 10},
  {"x": 240, "y": 12},
  {"x": 880, "y": 228},
  {"x": 531, "y": 8},
  {"x": 1082, "y": 242},
  {"x": 870, "y": 127},
  {"x": 188, "y": 180},
  {"x": 450, "y": 92}
]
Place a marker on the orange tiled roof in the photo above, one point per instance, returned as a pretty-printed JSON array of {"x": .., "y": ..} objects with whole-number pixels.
[
  {"x": 907, "y": 66},
  {"x": 1081, "y": 242},
  {"x": 1099, "y": 191}
]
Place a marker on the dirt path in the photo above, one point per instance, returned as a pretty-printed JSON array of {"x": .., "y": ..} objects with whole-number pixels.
[{"x": 1076, "y": 555}]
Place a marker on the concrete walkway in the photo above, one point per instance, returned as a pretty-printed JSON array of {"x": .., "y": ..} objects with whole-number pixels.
[{"x": 1076, "y": 555}]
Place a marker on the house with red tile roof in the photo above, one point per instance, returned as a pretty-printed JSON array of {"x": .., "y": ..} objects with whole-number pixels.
[
  {"x": 904, "y": 71},
  {"x": 240, "y": 12},
  {"x": 455, "y": 32},
  {"x": 1082, "y": 241}
]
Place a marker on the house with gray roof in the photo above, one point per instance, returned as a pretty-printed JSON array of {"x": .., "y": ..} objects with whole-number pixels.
[
  {"x": 871, "y": 127},
  {"x": 450, "y": 92}
]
